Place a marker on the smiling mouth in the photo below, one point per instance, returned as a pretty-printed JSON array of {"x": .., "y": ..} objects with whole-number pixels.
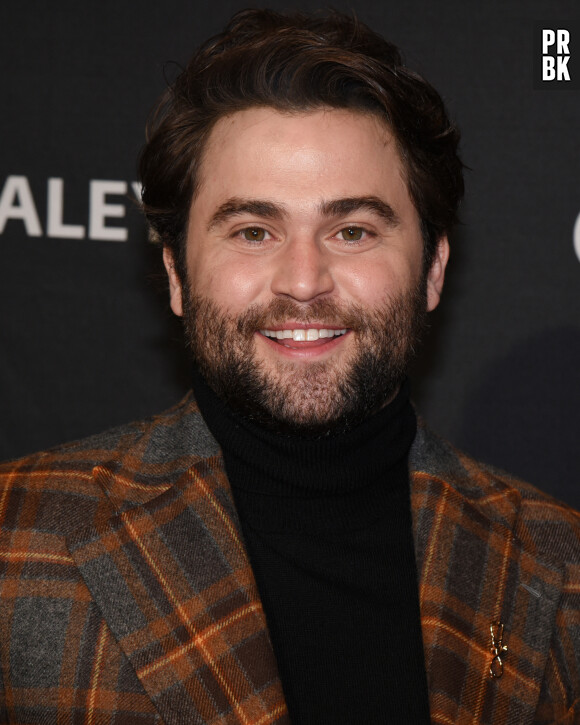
[{"x": 301, "y": 334}]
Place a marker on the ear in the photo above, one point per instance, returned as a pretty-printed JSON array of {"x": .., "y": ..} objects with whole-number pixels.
[
  {"x": 175, "y": 290},
  {"x": 436, "y": 274}
]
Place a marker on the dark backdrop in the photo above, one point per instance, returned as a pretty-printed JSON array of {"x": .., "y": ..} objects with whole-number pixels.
[{"x": 86, "y": 337}]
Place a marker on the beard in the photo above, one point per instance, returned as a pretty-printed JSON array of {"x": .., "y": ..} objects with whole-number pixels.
[{"x": 310, "y": 399}]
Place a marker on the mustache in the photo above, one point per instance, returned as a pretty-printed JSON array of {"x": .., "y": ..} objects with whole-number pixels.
[{"x": 326, "y": 312}]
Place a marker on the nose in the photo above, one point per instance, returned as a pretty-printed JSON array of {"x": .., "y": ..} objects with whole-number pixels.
[{"x": 302, "y": 270}]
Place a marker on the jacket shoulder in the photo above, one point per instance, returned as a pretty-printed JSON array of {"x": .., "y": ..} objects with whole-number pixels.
[
  {"x": 62, "y": 478},
  {"x": 544, "y": 524}
]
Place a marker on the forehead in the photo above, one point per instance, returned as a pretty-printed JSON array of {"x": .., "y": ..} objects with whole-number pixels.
[{"x": 297, "y": 157}]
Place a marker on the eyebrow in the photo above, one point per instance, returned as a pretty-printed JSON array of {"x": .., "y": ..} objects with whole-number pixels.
[
  {"x": 344, "y": 207},
  {"x": 237, "y": 206}
]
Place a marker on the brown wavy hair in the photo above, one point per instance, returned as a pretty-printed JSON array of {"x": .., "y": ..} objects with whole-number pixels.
[{"x": 292, "y": 63}]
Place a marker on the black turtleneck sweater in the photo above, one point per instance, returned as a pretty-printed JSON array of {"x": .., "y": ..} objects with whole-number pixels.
[{"x": 327, "y": 524}]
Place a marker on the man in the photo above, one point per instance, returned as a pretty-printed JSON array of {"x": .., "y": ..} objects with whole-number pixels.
[{"x": 286, "y": 544}]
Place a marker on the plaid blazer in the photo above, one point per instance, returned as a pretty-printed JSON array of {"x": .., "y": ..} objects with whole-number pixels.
[{"x": 127, "y": 597}]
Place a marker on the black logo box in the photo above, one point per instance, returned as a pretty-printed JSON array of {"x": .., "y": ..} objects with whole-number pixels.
[{"x": 573, "y": 63}]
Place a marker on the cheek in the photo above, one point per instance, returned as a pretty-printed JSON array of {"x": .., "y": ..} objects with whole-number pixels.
[
  {"x": 369, "y": 283},
  {"x": 233, "y": 285}
]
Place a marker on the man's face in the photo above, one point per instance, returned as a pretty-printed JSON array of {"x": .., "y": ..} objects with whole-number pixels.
[{"x": 305, "y": 292}]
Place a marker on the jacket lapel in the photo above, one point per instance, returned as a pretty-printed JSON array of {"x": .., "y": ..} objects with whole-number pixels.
[
  {"x": 164, "y": 562},
  {"x": 474, "y": 573},
  {"x": 174, "y": 584}
]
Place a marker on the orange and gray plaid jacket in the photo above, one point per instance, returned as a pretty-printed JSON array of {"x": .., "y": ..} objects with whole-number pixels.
[{"x": 127, "y": 597}]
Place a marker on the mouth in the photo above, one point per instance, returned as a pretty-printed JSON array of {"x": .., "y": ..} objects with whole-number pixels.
[
  {"x": 303, "y": 334},
  {"x": 296, "y": 338}
]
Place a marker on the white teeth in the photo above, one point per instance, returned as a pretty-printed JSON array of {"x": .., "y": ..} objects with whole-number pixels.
[{"x": 302, "y": 334}]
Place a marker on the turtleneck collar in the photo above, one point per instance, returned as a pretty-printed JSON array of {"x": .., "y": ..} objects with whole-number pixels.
[{"x": 263, "y": 462}]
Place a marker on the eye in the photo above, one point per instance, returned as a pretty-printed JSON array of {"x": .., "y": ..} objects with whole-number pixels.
[
  {"x": 352, "y": 234},
  {"x": 253, "y": 234}
]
